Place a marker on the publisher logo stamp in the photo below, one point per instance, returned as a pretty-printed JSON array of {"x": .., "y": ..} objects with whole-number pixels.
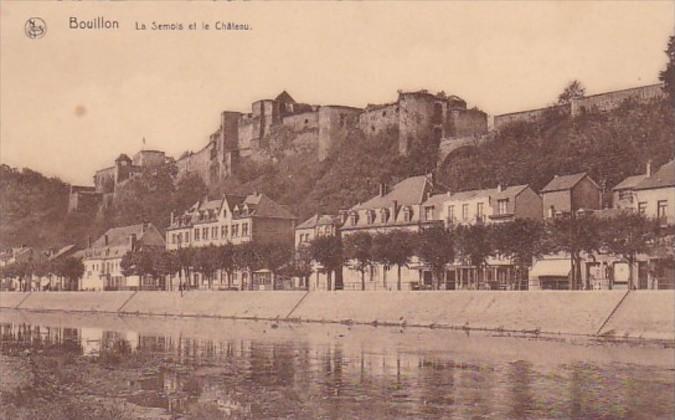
[{"x": 35, "y": 28}]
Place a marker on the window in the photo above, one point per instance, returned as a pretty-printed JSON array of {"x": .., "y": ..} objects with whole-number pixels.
[
  {"x": 626, "y": 195},
  {"x": 428, "y": 213},
  {"x": 371, "y": 217},
  {"x": 502, "y": 206},
  {"x": 223, "y": 232},
  {"x": 244, "y": 229},
  {"x": 642, "y": 207},
  {"x": 465, "y": 211},
  {"x": 173, "y": 238},
  {"x": 407, "y": 214},
  {"x": 384, "y": 216},
  {"x": 179, "y": 237},
  {"x": 187, "y": 236},
  {"x": 196, "y": 234},
  {"x": 479, "y": 211},
  {"x": 354, "y": 218},
  {"x": 214, "y": 232},
  {"x": 451, "y": 212},
  {"x": 205, "y": 233},
  {"x": 235, "y": 231},
  {"x": 661, "y": 209}
]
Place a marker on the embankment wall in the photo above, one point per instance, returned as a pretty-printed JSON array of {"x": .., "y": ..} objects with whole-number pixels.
[{"x": 637, "y": 314}]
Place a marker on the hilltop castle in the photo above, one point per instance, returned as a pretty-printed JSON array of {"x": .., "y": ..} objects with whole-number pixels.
[{"x": 416, "y": 116}]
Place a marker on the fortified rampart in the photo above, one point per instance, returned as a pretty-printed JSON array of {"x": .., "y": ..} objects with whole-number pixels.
[
  {"x": 417, "y": 117},
  {"x": 601, "y": 102}
]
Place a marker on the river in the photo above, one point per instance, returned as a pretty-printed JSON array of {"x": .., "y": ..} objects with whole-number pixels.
[{"x": 160, "y": 367}]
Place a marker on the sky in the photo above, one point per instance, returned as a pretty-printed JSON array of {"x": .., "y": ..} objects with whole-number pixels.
[{"x": 73, "y": 100}]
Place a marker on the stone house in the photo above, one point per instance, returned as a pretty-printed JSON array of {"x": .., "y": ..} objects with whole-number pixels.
[
  {"x": 232, "y": 219},
  {"x": 570, "y": 193},
  {"x": 485, "y": 206},
  {"x": 316, "y": 226},
  {"x": 102, "y": 258},
  {"x": 655, "y": 195},
  {"x": 399, "y": 208}
]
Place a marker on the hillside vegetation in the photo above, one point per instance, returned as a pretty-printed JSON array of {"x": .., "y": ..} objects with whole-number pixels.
[{"x": 609, "y": 146}]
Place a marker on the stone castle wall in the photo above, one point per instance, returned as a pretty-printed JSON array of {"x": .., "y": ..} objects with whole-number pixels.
[{"x": 601, "y": 102}]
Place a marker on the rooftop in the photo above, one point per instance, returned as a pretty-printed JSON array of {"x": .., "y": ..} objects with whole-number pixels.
[
  {"x": 407, "y": 192},
  {"x": 664, "y": 177},
  {"x": 564, "y": 182}
]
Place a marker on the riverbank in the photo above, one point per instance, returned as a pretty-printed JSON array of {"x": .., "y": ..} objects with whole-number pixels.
[{"x": 635, "y": 315}]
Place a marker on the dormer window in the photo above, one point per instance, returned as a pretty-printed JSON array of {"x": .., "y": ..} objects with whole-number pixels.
[
  {"x": 354, "y": 218},
  {"x": 371, "y": 217}
]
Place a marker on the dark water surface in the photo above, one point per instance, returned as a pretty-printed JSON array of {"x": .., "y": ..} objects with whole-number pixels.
[{"x": 207, "y": 368}]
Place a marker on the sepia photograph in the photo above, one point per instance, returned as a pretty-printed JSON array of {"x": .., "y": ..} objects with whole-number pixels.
[{"x": 337, "y": 210}]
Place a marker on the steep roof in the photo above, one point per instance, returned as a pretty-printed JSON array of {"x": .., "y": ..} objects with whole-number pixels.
[
  {"x": 507, "y": 192},
  {"x": 564, "y": 182},
  {"x": 407, "y": 192},
  {"x": 63, "y": 251},
  {"x": 664, "y": 177},
  {"x": 284, "y": 97},
  {"x": 263, "y": 206},
  {"x": 630, "y": 182},
  {"x": 317, "y": 220},
  {"x": 118, "y": 237}
]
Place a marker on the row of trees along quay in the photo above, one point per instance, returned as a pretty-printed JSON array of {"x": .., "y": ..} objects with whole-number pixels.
[{"x": 624, "y": 234}]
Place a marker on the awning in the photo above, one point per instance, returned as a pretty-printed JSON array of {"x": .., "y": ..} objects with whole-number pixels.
[{"x": 554, "y": 268}]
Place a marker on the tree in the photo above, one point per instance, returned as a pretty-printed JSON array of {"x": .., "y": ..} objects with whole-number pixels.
[
  {"x": 520, "y": 240},
  {"x": 273, "y": 256},
  {"x": 574, "y": 234},
  {"x": 247, "y": 257},
  {"x": 393, "y": 248},
  {"x": 70, "y": 268},
  {"x": 140, "y": 263},
  {"x": 226, "y": 261},
  {"x": 206, "y": 262},
  {"x": 574, "y": 90},
  {"x": 301, "y": 264},
  {"x": 435, "y": 247},
  {"x": 165, "y": 263},
  {"x": 667, "y": 76},
  {"x": 327, "y": 251},
  {"x": 358, "y": 251},
  {"x": 185, "y": 260},
  {"x": 628, "y": 234},
  {"x": 473, "y": 243}
]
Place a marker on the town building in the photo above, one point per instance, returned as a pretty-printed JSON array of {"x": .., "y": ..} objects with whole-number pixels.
[
  {"x": 400, "y": 207},
  {"x": 491, "y": 205},
  {"x": 233, "y": 219},
  {"x": 655, "y": 195},
  {"x": 570, "y": 193},
  {"x": 317, "y": 226},
  {"x": 485, "y": 206},
  {"x": 102, "y": 258}
]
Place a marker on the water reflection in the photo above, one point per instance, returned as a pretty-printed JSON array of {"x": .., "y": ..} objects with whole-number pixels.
[{"x": 260, "y": 378}]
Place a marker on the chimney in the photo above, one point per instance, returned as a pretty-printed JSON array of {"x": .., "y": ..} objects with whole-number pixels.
[
  {"x": 383, "y": 189},
  {"x": 132, "y": 241},
  {"x": 649, "y": 168},
  {"x": 88, "y": 241},
  {"x": 172, "y": 217},
  {"x": 105, "y": 239},
  {"x": 500, "y": 187}
]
